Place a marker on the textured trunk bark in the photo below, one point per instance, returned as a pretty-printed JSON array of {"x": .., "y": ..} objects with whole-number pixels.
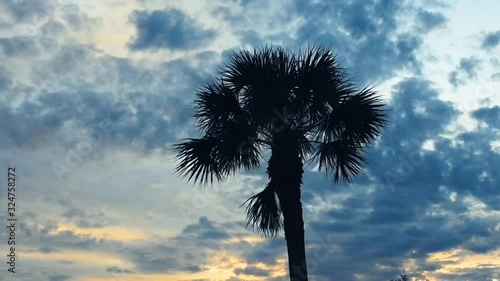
[
  {"x": 294, "y": 234},
  {"x": 286, "y": 169}
]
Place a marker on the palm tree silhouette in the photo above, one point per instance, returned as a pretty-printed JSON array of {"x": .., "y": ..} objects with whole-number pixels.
[
  {"x": 403, "y": 278},
  {"x": 299, "y": 105}
]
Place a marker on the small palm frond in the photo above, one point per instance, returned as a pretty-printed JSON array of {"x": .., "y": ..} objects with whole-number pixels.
[
  {"x": 265, "y": 79},
  {"x": 342, "y": 157},
  {"x": 305, "y": 145},
  {"x": 320, "y": 83},
  {"x": 217, "y": 155},
  {"x": 216, "y": 103},
  {"x": 263, "y": 212},
  {"x": 196, "y": 160},
  {"x": 360, "y": 117},
  {"x": 238, "y": 147}
]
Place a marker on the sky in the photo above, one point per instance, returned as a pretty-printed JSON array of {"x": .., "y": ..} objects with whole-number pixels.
[{"x": 94, "y": 93}]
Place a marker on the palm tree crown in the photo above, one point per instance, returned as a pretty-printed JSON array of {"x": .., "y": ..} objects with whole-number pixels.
[
  {"x": 299, "y": 105},
  {"x": 307, "y": 93}
]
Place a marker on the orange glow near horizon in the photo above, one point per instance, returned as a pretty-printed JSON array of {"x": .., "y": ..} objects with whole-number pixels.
[
  {"x": 463, "y": 259},
  {"x": 249, "y": 239},
  {"x": 221, "y": 265}
]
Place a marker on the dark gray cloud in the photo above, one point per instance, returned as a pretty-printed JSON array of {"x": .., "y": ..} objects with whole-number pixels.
[
  {"x": 19, "y": 46},
  {"x": 252, "y": 270},
  {"x": 168, "y": 29},
  {"x": 84, "y": 219},
  {"x": 419, "y": 116},
  {"x": 5, "y": 79},
  {"x": 52, "y": 28},
  {"x": 205, "y": 231},
  {"x": 367, "y": 48},
  {"x": 466, "y": 70},
  {"x": 151, "y": 109},
  {"x": 430, "y": 20},
  {"x": 416, "y": 114},
  {"x": 150, "y": 262},
  {"x": 188, "y": 251},
  {"x": 47, "y": 249},
  {"x": 267, "y": 252},
  {"x": 52, "y": 111},
  {"x": 60, "y": 277},
  {"x": 491, "y": 40},
  {"x": 469, "y": 65},
  {"x": 495, "y": 76},
  {"x": 364, "y": 33},
  {"x": 77, "y": 20},
  {"x": 115, "y": 269},
  {"x": 28, "y": 10},
  {"x": 191, "y": 268},
  {"x": 32, "y": 237},
  {"x": 489, "y": 115}
]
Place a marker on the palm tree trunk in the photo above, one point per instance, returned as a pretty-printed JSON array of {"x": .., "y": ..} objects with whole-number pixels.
[
  {"x": 294, "y": 234},
  {"x": 286, "y": 169}
]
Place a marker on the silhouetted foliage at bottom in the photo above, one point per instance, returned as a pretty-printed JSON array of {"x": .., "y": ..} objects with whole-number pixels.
[{"x": 405, "y": 278}]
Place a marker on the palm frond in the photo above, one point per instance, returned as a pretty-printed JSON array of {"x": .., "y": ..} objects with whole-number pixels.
[
  {"x": 218, "y": 154},
  {"x": 359, "y": 117},
  {"x": 265, "y": 79},
  {"x": 320, "y": 82},
  {"x": 263, "y": 212},
  {"x": 216, "y": 103},
  {"x": 238, "y": 147},
  {"x": 196, "y": 160},
  {"x": 342, "y": 157},
  {"x": 363, "y": 116}
]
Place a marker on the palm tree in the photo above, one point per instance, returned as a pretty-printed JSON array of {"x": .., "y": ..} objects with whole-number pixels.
[{"x": 299, "y": 105}]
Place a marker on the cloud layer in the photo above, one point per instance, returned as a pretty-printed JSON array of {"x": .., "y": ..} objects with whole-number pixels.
[{"x": 92, "y": 100}]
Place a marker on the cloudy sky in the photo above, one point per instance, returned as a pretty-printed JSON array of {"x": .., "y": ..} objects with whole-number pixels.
[{"x": 93, "y": 93}]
